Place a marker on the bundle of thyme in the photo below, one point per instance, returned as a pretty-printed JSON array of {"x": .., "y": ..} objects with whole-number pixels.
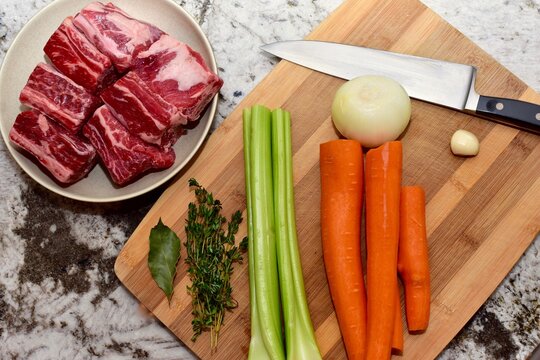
[{"x": 211, "y": 253}]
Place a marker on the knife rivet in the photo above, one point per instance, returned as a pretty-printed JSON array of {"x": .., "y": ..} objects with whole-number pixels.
[
  {"x": 499, "y": 106},
  {"x": 538, "y": 116}
]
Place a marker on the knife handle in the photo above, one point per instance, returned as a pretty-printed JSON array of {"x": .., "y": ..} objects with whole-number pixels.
[{"x": 517, "y": 113}]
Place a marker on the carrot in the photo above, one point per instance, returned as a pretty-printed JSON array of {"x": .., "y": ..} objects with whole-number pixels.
[
  {"x": 383, "y": 185},
  {"x": 413, "y": 262},
  {"x": 341, "y": 211},
  {"x": 397, "y": 335}
]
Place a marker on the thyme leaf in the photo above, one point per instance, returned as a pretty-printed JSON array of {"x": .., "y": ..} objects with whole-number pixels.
[{"x": 211, "y": 254}]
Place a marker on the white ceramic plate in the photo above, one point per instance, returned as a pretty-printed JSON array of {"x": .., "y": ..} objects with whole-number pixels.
[{"x": 27, "y": 50}]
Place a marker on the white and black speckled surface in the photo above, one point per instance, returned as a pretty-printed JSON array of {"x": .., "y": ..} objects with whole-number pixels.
[{"x": 59, "y": 297}]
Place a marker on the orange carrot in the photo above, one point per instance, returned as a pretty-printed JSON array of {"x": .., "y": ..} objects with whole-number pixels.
[
  {"x": 341, "y": 210},
  {"x": 383, "y": 185},
  {"x": 413, "y": 261},
  {"x": 397, "y": 335}
]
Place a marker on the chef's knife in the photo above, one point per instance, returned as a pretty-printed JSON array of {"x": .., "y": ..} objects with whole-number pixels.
[{"x": 439, "y": 82}]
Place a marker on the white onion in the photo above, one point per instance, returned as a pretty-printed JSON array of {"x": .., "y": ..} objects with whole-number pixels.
[{"x": 371, "y": 109}]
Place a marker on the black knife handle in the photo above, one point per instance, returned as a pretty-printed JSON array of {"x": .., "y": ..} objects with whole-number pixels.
[{"x": 517, "y": 113}]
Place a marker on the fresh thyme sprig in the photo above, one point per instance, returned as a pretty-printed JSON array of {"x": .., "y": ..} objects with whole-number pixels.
[{"x": 211, "y": 253}]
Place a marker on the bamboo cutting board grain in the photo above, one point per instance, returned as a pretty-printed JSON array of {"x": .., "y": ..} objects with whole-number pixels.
[{"x": 482, "y": 212}]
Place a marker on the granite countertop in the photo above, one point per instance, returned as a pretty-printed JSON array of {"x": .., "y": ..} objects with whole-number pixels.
[{"x": 59, "y": 297}]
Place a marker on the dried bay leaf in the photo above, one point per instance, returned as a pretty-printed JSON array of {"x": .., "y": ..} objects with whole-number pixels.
[{"x": 163, "y": 257}]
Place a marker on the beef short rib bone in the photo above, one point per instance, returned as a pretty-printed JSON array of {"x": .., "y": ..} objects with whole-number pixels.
[
  {"x": 76, "y": 57},
  {"x": 179, "y": 75},
  {"x": 58, "y": 97},
  {"x": 67, "y": 157},
  {"x": 144, "y": 113},
  {"x": 125, "y": 156},
  {"x": 115, "y": 33}
]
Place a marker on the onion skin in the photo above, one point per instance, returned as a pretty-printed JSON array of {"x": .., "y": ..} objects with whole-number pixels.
[{"x": 371, "y": 109}]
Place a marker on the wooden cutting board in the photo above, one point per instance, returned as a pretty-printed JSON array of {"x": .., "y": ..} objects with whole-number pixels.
[{"x": 482, "y": 212}]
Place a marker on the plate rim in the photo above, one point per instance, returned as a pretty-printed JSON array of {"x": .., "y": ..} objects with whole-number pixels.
[{"x": 211, "y": 108}]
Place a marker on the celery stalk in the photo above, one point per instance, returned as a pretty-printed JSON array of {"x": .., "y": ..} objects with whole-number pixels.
[
  {"x": 299, "y": 333},
  {"x": 263, "y": 243},
  {"x": 257, "y": 350}
]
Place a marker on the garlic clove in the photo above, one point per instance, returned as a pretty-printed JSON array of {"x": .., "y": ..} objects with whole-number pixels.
[{"x": 464, "y": 143}]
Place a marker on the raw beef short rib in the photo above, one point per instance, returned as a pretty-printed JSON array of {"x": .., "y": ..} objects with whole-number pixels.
[
  {"x": 76, "y": 57},
  {"x": 115, "y": 33},
  {"x": 125, "y": 156},
  {"x": 122, "y": 84},
  {"x": 67, "y": 157},
  {"x": 58, "y": 97},
  {"x": 143, "y": 112},
  {"x": 179, "y": 75}
]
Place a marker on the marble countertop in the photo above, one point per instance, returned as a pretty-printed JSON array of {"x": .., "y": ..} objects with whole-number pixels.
[{"x": 59, "y": 297}]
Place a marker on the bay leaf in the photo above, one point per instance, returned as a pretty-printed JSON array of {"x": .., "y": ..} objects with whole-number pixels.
[{"x": 163, "y": 257}]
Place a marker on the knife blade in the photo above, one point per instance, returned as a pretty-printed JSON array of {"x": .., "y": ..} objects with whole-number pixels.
[{"x": 435, "y": 81}]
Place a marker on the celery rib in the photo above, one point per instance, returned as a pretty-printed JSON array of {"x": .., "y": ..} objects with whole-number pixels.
[
  {"x": 273, "y": 246},
  {"x": 257, "y": 349},
  {"x": 299, "y": 334},
  {"x": 262, "y": 220}
]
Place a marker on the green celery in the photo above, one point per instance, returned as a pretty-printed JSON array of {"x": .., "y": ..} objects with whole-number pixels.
[
  {"x": 263, "y": 254},
  {"x": 299, "y": 334},
  {"x": 257, "y": 349}
]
